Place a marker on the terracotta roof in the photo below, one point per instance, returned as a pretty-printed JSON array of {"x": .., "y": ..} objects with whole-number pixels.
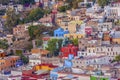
[
  {"x": 46, "y": 38},
  {"x": 39, "y": 51}
]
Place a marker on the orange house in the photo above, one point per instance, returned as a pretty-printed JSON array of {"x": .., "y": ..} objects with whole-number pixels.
[{"x": 8, "y": 62}]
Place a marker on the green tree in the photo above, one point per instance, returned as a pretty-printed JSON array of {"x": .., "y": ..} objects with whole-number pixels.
[
  {"x": 64, "y": 8},
  {"x": 38, "y": 42},
  {"x": 36, "y": 32},
  {"x": 117, "y": 58},
  {"x": 4, "y": 44},
  {"x": 22, "y": 57},
  {"x": 75, "y": 41},
  {"x": 33, "y": 31},
  {"x": 47, "y": 11},
  {"x": 52, "y": 46},
  {"x": 103, "y": 2},
  {"x": 60, "y": 43},
  {"x": 35, "y": 14},
  {"x": 12, "y": 19},
  {"x": 18, "y": 52}
]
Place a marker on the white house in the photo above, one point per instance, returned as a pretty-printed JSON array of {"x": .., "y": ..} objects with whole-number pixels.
[
  {"x": 105, "y": 26},
  {"x": 34, "y": 59},
  {"x": 81, "y": 53},
  {"x": 90, "y": 60},
  {"x": 112, "y": 12},
  {"x": 111, "y": 52}
]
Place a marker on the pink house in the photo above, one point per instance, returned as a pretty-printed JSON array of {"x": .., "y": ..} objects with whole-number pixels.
[{"x": 88, "y": 30}]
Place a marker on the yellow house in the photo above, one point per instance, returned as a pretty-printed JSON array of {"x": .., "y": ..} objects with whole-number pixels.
[
  {"x": 74, "y": 35},
  {"x": 48, "y": 67},
  {"x": 4, "y": 17},
  {"x": 116, "y": 40},
  {"x": 72, "y": 25}
]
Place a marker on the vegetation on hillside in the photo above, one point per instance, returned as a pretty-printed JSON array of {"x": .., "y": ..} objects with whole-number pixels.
[
  {"x": 54, "y": 46},
  {"x": 3, "y": 44},
  {"x": 103, "y": 2},
  {"x": 12, "y": 19}
]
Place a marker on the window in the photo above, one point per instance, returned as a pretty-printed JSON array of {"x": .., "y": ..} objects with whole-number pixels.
[
  {"x": 97, "y": 49},
  {"x": 77, "y": 66},
  {"x": 113, "y": 53},
  {"x": 111, "y": 49},
  {"x": 82, "y": 53},
  {"x": 101, "y": 49},
  {"x": 79, "y": 41},
  {"x": 56, "y": 34},
  {"x": 89, "y": 50},
  {"x": 77, "y": 37},
  {"x": 77, "y": 62}
]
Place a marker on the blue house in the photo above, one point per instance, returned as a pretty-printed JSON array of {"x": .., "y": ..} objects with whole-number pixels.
[
  {"x": 67, "y": 64},
  {"x": 60, "y": 32},
  {"x": 19, "y": 63}
]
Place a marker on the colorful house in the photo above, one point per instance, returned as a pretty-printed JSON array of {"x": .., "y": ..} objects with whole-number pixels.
[
  {"x": 88, "y": 30},
  {"x": 44, "y": 67},
  {"x": 60, "y": 32},
  {"x": 72, "y": 25},
  {"x": 8, "y": 62},
  {"x": 74, "y": 35},
  {"x": 67, "y": 65},
  {"x": 35, "y": 58},
  {"x": 69, "y": 49}
]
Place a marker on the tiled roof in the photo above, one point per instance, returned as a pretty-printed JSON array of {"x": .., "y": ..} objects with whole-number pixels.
[{"x": 39, "y": 51}]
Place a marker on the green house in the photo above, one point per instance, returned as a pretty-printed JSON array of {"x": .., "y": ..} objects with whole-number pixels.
[{"x": 99, "y": 78}]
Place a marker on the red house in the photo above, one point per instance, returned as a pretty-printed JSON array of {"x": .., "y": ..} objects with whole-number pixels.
[
  {"x": 88, "y": 30},
  {"x": 69, "y": 49}
]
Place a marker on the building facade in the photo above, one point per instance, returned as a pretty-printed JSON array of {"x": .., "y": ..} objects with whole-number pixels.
[
  {"x": 69, "y": 49},
  {"x": 60, "y": 32}
]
